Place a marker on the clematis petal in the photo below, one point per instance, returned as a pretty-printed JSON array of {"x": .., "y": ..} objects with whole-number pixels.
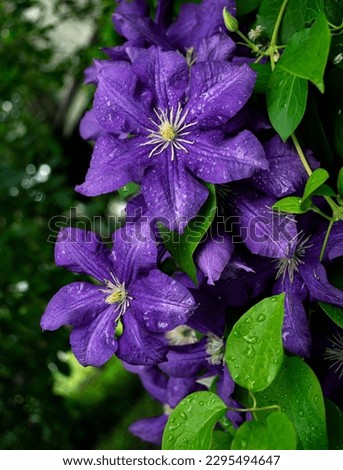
[
  {"x": 225, "y": 386},
  {"x": 201, "y": 320},
  {"x": 77, "y": 304},
  {"x": 217, "y": 47},
  {"x": 296, "y": 334},
  {"x": 94, "y": 344},
  {"x": 218, "y": 90},
  {"x": 141, "y": 31},
  {"x": 213, "y": 255},
  {"x": 121, "y": 102},
  {"x": 163, "y": 302},
  {"x": 165, "y": 74},
  {"x": 155, "y": 382},
  {"x": 115, "y": 162},
  {"x": 150, "y": 429},
  {"x": 240, "y": 284},
  {"x": 136, "y": 345},
  {"x": 216, "y": 160},
  {"x": 186, "y": 361},
  {"x": 164, "y": 13},
  {"x": 319, "y": 288},
  {"x": 134, "y": 252},
  {"x": 82, "y": 252},
  {"x": 286, "y": 174},
  {"x": 334, "y": 245},
  {"x": 130, "y": 7},
  {"x": 90, "y": 129},
  {"x": 172, "y": 194},
  {"x": 180, "y": 31},
  {"x": 264, "y": 231},
  {"x": 196, "y": 22}
]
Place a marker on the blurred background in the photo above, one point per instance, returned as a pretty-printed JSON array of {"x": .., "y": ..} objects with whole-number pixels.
[{"x": 47, "y": 400}]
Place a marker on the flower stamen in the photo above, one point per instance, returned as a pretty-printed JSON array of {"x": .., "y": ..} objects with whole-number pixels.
[
  {"x": 117, "y": 294},
  {"x": 335, "y": 355},
  {"x": 215, "y": 349},
  {"x": 290, "y": 263},
  {"x": 170, "y": 131}
]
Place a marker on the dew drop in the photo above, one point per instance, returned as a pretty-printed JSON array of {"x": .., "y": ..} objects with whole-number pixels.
[
  {"x": 251, "y": 339},
  {"x": 249, "y": 353},
  {"x": 261, "y": 317},
  {"x": 183, "y": 415},
  {"x": 273, "y": 299},
  {"x": 201, "y": 403},
  {"x": 248, "y": 320}
]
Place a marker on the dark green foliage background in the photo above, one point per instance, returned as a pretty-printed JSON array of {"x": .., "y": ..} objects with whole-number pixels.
[{"x": 46, "y": 400}]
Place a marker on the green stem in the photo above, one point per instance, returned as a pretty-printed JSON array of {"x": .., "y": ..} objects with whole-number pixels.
[
  {"x": 278, "y": 23},
  {"x": 252, "y": 396},
  {"x": 247, "y": 41},
  {"x": 326, "y": 240},
  {"x": 273, "y": 47},
  {"x": 309, "y": 171},
  {"x": 318, "y": 211},
  {"x": 245, "y": 410},
  {"x": 301, "y": 155}
]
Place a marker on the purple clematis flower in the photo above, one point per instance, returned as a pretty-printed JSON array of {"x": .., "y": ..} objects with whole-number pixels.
[
  {"x": 297, "y": 267},
  {"x": 213, "y": 255},
  {"x": 301, "y": 275},
  {"x": 195, "y": 23},
  {"x": 175, "y": 121},
  {"x": 146, "y": 301},
  {"x": 286, "y": 174}
]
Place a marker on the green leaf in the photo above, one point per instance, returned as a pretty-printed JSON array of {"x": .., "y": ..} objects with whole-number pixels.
[
  {"x": 246, "y": 6},
  {"x": 318, "y": 177},
  {"x": 294, "y": 19},
  {"x": 268, "y": 14},
  {"x": 334, "y": 312},
  {"x": 291, "y": 205},
  {"x": 128, "y": 190},
  {"x": 263, "y": 76},
  {"x": 324, "y": 190},
  {"x": 286, "y": 101},
  {"x": 191, "y": 423},
  {"x": 254, "y": 351},
  {"x": 307, "y": 52},
  {"x": 182, "y": 247},
  {"x": 298, "y": 13},
  {"x": 298, "y": 393},
  {"x": 340, "y": 182},
  {"x": 275, "y": 433},
  {"x": 221, "y": 440},
  {"x": 314, "y": 8},
  {"x": 334, "y": 422}
]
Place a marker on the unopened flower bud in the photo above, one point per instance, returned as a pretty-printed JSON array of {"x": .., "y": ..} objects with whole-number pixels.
[{"x": 230, "y": 21}]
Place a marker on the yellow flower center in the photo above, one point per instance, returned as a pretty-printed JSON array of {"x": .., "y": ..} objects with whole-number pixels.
[
  {"x": 170, "y": 131},
  {"x": 167, "y": 131},
  {"x": 117, "y": 296}
]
